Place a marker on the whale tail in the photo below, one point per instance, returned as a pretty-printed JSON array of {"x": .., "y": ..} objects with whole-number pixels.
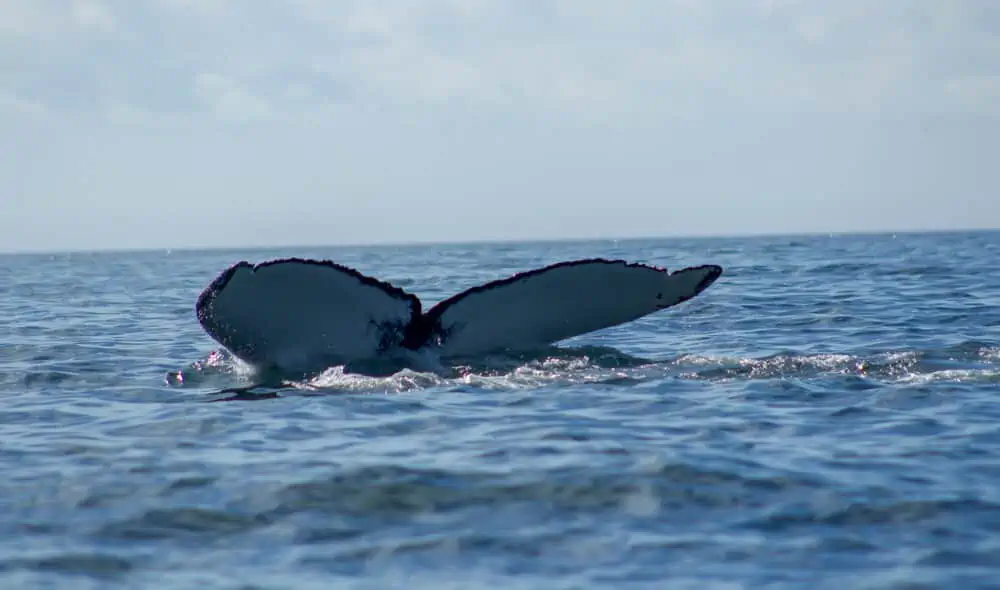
[
  {"x": 297, "y": 314},
  {"x": 543, "y": 306}
]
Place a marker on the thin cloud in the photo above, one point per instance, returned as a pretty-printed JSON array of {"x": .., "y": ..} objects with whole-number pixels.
[
  {"x": 492, "y": 118},
  {"x": 591, "y": 58}
]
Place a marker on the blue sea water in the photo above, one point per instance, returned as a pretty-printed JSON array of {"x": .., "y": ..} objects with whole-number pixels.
[{"x": 825, "y": 416}]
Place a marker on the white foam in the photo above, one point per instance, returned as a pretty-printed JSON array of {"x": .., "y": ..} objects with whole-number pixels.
[{"x": 337, "y": 379}]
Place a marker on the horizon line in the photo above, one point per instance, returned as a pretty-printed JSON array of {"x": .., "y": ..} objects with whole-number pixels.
[{"x": 494, "y": 241}]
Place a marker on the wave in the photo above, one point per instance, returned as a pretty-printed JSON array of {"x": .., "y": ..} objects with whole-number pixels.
[{"x": 971, "y": 361}]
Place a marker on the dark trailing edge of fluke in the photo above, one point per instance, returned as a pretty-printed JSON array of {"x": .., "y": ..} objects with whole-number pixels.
[{"x": 220, "y": 282}]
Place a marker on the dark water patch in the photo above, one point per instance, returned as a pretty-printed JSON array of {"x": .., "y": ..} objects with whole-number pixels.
[
  {"x": 183, "y": 523},
  {"x": 892, "y": 514},
  {"x": 394, "y": 492},
  {"x": 187, "y": 483},
  {"x": 950, "y": 558},
  {"x": 45, "y": 378},
  {"x": 94, "y": 565},
  {"x": 851, "y": 411}
]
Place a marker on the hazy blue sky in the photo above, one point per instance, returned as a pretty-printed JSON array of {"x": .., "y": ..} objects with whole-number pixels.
[{"x": 173, "y": 123}]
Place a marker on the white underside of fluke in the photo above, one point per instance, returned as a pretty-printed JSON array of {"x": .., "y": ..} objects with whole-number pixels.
[
  {"x": 561, "y": 302},
  {"x": 306, "y": 315}
]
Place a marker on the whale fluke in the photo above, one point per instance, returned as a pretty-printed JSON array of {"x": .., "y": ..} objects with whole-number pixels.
[
  {"x": 298, "y": 314},
  {"x": 550, "y": 304}
]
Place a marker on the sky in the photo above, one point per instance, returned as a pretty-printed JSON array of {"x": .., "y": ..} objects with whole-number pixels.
[{"x": 218, "y": 123}]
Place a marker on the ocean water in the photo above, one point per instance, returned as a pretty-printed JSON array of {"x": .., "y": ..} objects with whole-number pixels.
[{"x": 824, "y": 416}]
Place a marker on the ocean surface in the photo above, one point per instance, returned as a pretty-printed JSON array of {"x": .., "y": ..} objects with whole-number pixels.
[{"x": 825, "y": 416}]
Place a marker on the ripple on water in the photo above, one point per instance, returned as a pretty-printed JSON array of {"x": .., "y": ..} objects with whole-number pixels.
[{"x": 824, "y": 416}]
